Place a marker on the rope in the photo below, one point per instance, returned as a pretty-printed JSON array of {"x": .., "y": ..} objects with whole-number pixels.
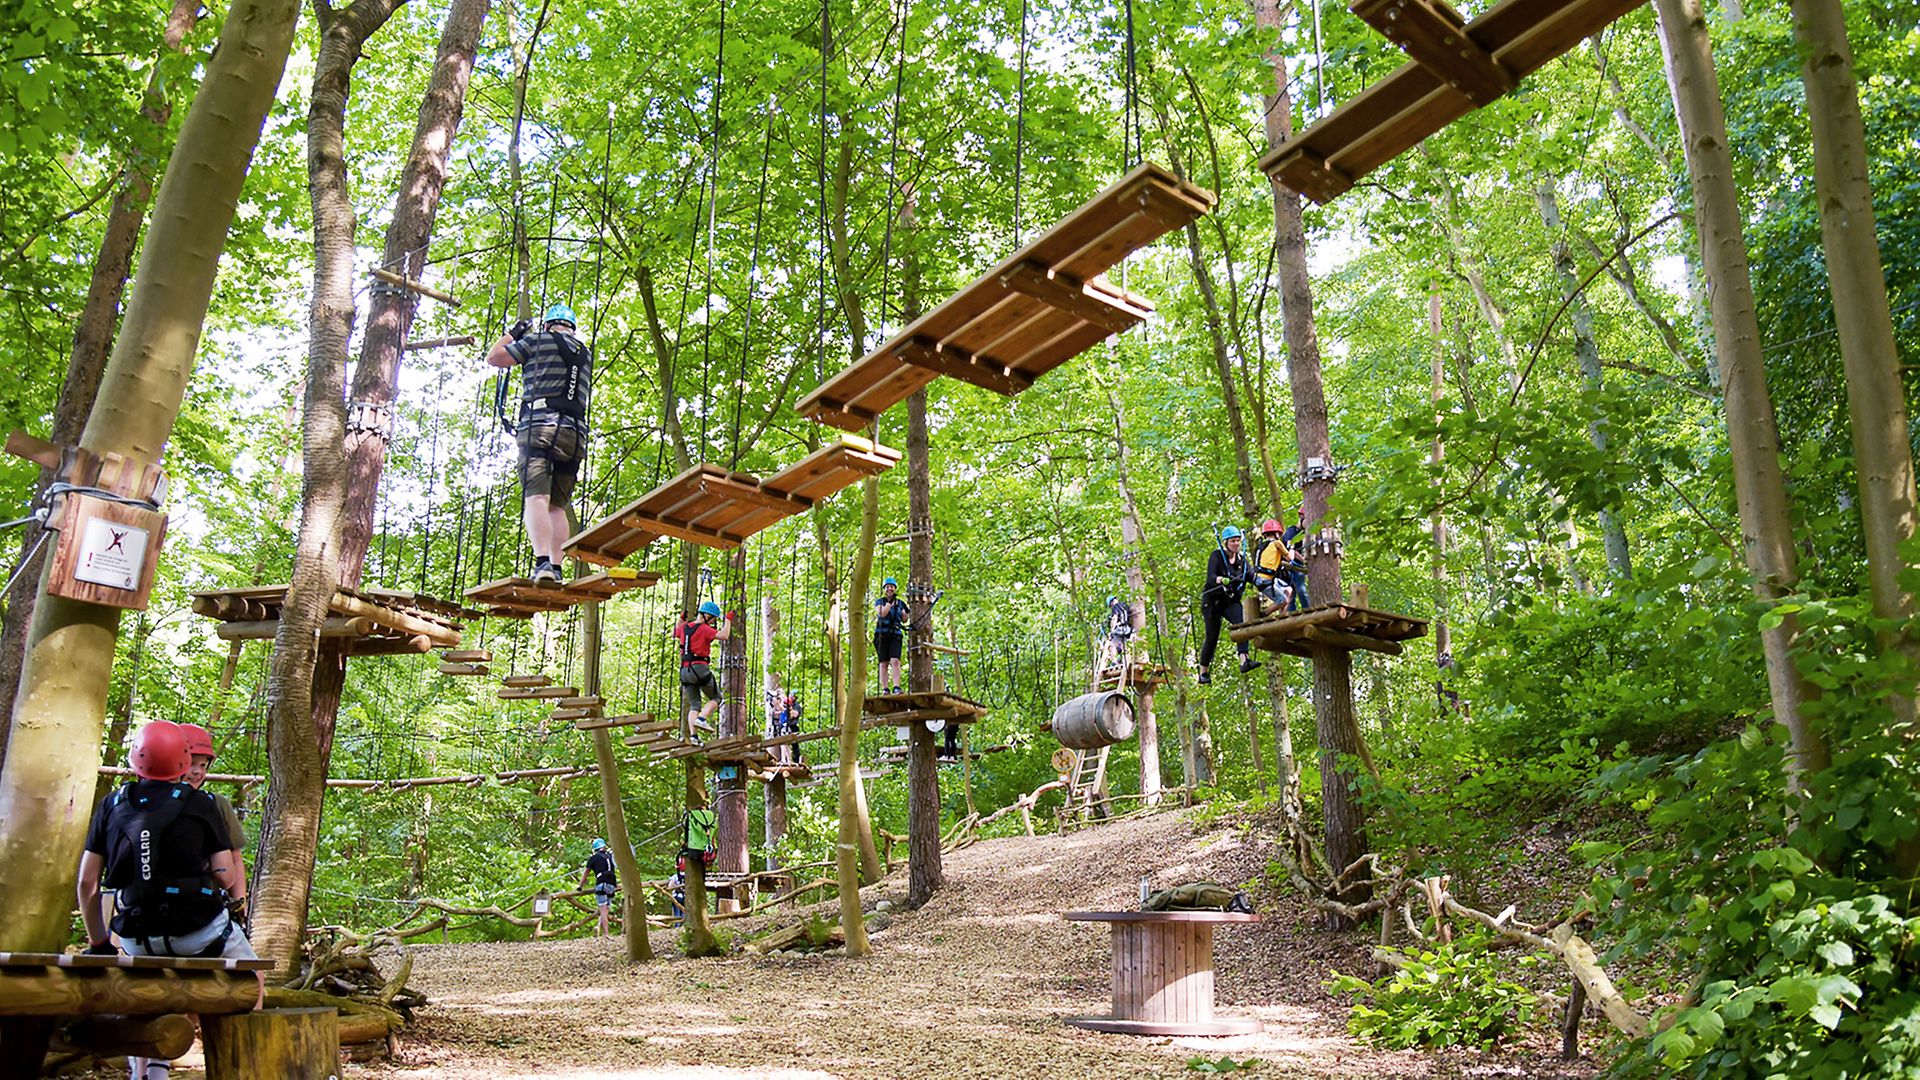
[
  {"x": 893, "y": 182},
  {"x": 1020, "y": 123},
  {"x": 1130, "y": 154}
]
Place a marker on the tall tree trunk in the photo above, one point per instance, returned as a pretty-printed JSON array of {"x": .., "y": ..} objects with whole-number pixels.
[
  {"x": 296, "y": 749},
  {"x": 852, "y": 848},
  {"x": 1876, "y": 399},
  {"x": 1337, "y": 729},
  {"x": 1587, "y": 352},
  {"x": 1759, "y": 489},
  {"x": 730, "y": 792},
  {"x": 92, "y": 338},
  {"x": 1132, "y": 546},
  {"x": 925, "y": 874},
  {"x": 1223, "y": 366},
  {"x": 345, "y": 450},
  {"x": 1442, "y": 600},
  {"x": 61, "y": 703},
  {"x": 633, "y": 897}
]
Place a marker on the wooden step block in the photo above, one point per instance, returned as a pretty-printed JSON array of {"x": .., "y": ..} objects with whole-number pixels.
[
  {"x": 573, "y": 714},
  {"x": 642, "y": 722},
  {"x": 589, "y": 701},
  {"x": 523, "y": 681},
  {"x": 467, "y": 656},
  {"x": 463, "y": 669},
  {"x": 552, "y": 693}
]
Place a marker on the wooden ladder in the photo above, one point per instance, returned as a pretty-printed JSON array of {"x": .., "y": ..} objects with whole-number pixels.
[{"x": 1089, "y": 775}]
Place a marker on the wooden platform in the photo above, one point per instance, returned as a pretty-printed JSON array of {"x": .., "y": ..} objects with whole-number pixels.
[
  {"x": 520, "y": 598},
  {"x": 1137, "y": 674},
  {"x": 1456, "y": 67},
  {"x": 373, "y": 621},
  {"x": 899, "y": 710},
  {"x": 1043, "y": 306},
  {"x": 719, "y": 508},
  {"x": 1337, "y": 626}
]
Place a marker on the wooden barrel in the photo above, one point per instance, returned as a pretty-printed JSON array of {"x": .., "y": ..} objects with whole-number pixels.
[{"x": 1092, "y": 721}]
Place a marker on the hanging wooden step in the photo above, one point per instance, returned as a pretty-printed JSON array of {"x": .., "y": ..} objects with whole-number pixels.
[
  {"x": 464, "y": 669},
  {"x": 638, "y": 721},
  {"x": 523, "y": 682},
  {"x": 1335, "y": 626},
  {"x": 1456, "y": 67},
  {"x": 720, "y": 508},
  {"x": 520, "y": 598},
  {"x": 535, "y": 693},
  {"x": 467, "y": 656},
  {"x": 1045, "y": 305},
  {"x": 586, "y": 701},
  {"x": 558, "y": 715}
]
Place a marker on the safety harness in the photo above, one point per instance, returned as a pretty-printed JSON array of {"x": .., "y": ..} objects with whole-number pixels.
[
  {"x": 149, "y": 897},
  {"x": 540, "y": 396}
]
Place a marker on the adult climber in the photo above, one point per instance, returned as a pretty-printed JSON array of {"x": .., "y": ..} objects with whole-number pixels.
[
  {"x": 163, "y": 846},
  {"x": 1270, "y": 562},
  {"x": 1228, "y": 573},
  {"x": 889, "y": 633},
  {"x": 1119, "y": 632},
  {"x": 1297, "y": 572},
  {"x": 699, "y": 690},
  {"x": 200, "y": 746},
  {"x": 606, "y": 881},
  {"x": 556, "y": 380}
]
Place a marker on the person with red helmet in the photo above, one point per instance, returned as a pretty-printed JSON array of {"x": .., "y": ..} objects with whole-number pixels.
[
  {"x": 163, "y": 846},
  {"x": 1270, "y": 562},
  {"x": 200, "y": 746}
]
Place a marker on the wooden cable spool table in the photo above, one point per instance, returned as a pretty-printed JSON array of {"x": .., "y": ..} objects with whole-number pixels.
[{"x": 1163, "y": 973}]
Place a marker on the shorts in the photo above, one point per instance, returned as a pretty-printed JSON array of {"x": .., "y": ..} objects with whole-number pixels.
[
  {"x": 888, "y": 646},
  {"x": 692, "y": 693},
  {"x": 235, "y": 947},
  {"x": 603, "y": 894},
  {"x": 550, "y": 459}
]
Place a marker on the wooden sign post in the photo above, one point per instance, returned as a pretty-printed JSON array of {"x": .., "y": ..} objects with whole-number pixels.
[{"x": 106, "y": 509}]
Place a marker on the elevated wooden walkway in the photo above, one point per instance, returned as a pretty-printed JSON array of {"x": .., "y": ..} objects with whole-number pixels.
[
  {"x": 520, "y": 598},
  {"x": 719, "y": 508},
  {"x": 1456, "y": 67},
  {"x": 374, "y": 622},
  {"x": 915, "y": 707},
  {"x": 1040, "y": 308},
  {"x": 1335, "y": 626}
]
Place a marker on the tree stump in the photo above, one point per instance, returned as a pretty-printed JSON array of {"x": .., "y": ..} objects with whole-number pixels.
[{"x": 288, "y": 1044}]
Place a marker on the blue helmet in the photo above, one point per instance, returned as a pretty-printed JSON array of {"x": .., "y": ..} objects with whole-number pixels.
[
  {"x": 1231, "y": 532},
  {"x": 708, "y": 607},
  {"x": 888, "y": 582},
  {"x": 598, "y": 844},
  {"x": 561, "y": 313}
]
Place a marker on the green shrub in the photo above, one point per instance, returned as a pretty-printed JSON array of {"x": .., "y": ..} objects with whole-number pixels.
[{"x": 1451, "y": 995}]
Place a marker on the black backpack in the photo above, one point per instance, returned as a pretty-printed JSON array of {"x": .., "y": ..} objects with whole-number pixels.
[{"x": 154, "y": 899}]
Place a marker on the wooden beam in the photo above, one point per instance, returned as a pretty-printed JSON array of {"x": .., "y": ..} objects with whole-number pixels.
[
  {"x": 64, "y": 991},
  {"x": 1069, "y": 296},
  {"x": 441, "y": 634},
  {"x": 392, "y": 646},
  {"x": 925, "y": 353},
  {"x": 437, "y": 343},
  {"x": 409, "y": 284},
  {"x": 1341, "y": 639},
  {"x": 337, "y": 626},
  {"x": 1435, "y": 36}
]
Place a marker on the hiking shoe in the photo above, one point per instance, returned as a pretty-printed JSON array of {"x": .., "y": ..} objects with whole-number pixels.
[
  {"x": 1248, "y": 664},
  {"x": 545, "y": 574},
  {"x": 1206, "y": 677}
]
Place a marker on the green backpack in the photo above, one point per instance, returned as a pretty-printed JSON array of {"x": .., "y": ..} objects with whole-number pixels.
[
  {"x": 697, "y": 832},
  {"x": 1198, "y": 896}
]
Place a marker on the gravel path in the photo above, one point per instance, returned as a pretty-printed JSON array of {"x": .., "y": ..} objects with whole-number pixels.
[{"x": 973, "y": 985}]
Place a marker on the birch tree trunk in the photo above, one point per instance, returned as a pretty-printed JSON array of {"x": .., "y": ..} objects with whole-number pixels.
[
  {"x": 851, "y": 849},
  {"x": 1133, "y": 553},
  {"x": 1759, "y": 489},
  {"x": 633, "y": 894},
  {"x": 61, "y": 703},
  {"x": 1876, "y": 399},
  {"x": 1586, "y": 352}
]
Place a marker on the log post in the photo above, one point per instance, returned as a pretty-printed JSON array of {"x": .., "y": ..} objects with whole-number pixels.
[{"x": 287, "y": 1044}]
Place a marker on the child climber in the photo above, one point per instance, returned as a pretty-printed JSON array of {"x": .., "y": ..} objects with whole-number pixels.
[{"x": 699, "y": 691}]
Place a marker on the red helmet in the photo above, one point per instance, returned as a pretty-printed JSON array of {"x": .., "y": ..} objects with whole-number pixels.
[
  {"x": 1271, "y": 525},
  {"x": 160, "y": 751},
  {"x": 199, "y": 740}
]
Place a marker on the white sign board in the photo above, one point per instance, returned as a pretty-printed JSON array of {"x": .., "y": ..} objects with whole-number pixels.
[{"x": 111, "y": 554}]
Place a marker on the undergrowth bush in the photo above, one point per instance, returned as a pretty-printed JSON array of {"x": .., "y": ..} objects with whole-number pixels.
[{"x": 1453, "y": 994}]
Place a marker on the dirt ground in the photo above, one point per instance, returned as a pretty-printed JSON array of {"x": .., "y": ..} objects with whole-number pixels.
[{"x": 976, "y": 984}]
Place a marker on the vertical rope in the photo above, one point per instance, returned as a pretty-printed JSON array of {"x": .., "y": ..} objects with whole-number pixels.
[
  {"x": 893, "y": 172},
  {"x": 826, "y": 28},
  {"x": 713, "y": 210},
  {"x": 1020, "y": 125},
  {"x": 1132, "y": 141}
]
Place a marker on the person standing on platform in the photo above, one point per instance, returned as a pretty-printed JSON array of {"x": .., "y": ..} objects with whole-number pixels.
[
  {"x": 200, "y": 745},
  {"x": 1228, "y": 573},
  {"x": 889, "y": 635},
  {"x": 163, "y": 846},
  {"x": 556, "y": 380},
  {"x": 1270, "y": 565},
  {"x": 1296, "y": 572},
  {"x": 1119, "y": 633},
  {"x": 606, "y": 882},
  {"x": 699, "y": 690}
]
